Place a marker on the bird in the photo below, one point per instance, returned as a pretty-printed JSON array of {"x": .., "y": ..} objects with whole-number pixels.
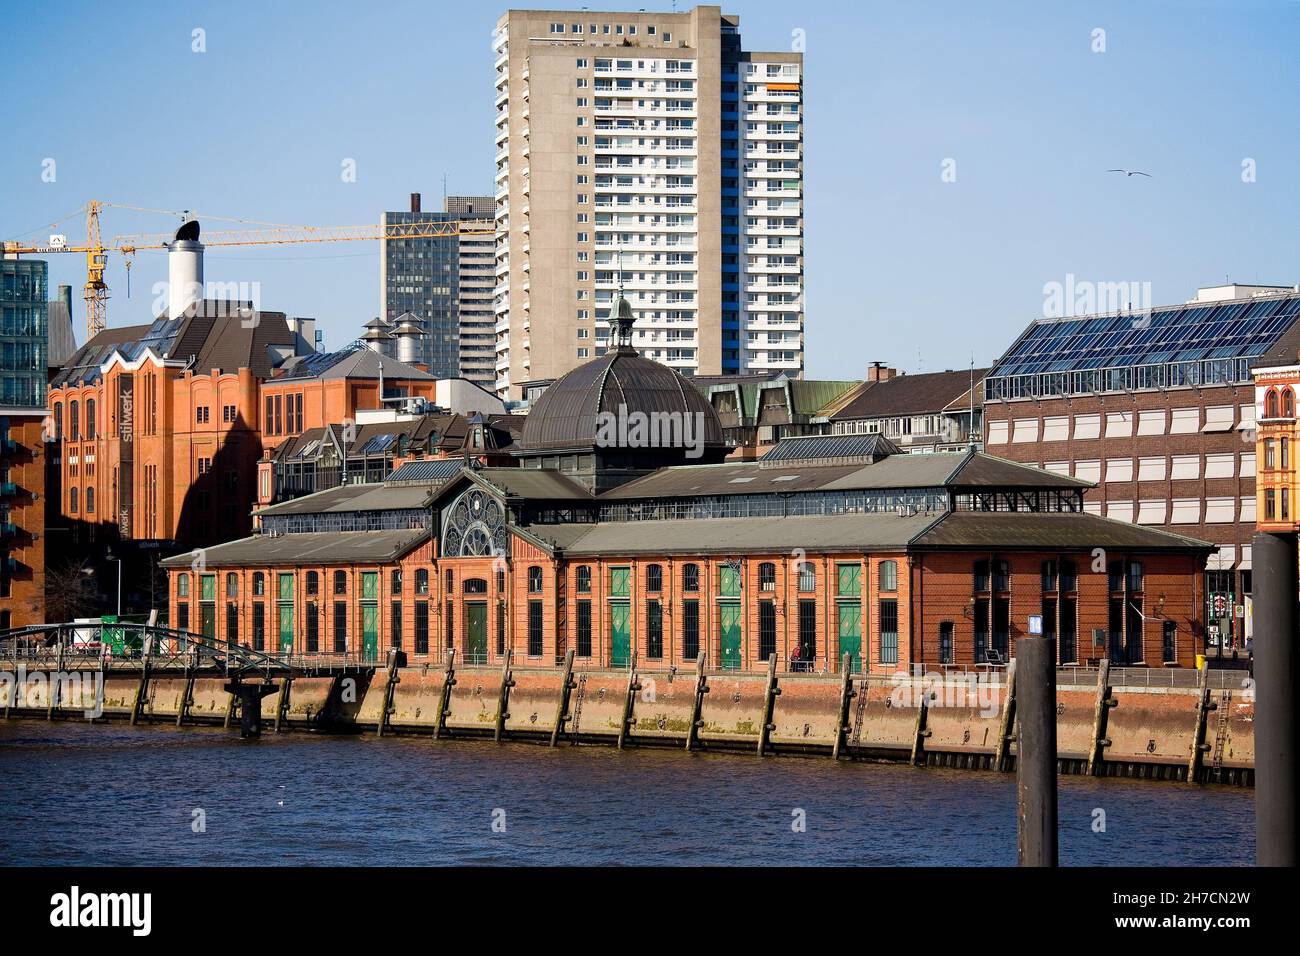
[{"x": 1131, "y": 172}]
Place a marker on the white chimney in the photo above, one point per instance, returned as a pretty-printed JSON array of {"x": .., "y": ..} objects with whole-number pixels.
[{"x": 184, "y": 270}]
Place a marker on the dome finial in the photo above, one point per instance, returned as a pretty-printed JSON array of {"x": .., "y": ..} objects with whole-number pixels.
[{"x": 623, "y": 318}]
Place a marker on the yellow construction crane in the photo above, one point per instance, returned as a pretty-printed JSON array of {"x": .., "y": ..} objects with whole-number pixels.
[{"x": 96, "y": 251}]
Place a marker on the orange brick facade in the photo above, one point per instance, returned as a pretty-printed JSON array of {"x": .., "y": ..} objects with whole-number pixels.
[
  {"x": 161, "y": 453},
  {"x": 929, "y": 591}
]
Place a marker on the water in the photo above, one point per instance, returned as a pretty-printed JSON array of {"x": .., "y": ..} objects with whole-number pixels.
[{"x": 105, "y": 795}]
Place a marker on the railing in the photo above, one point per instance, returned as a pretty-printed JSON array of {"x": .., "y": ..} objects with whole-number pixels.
[{"x": 125, "y": 645}]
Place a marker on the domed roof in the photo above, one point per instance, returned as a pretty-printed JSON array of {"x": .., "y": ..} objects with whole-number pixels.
[{"x": 568, "y": 415}]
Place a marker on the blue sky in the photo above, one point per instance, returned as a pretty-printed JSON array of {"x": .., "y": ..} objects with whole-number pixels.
[{"x": 902, "y": 267}]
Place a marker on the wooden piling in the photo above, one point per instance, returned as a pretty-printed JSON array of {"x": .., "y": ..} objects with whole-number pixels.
[
  {"x": 922, "y": 732},
  {"x": 389, "y": 686},
  {"x": 444, "y": 699},
  {"x": 847, "y": 693},
  {"x": 629, "y": 707},
  {"x": 282, "y": 702},
  {"x": 770, "y": 695},
  {"x": 1203, "y": 707},
  {"x": 141, "y": 692},
  {"x": 566, "y": 688},
  {"x": 503, "y": 700},
  {"x": 697, "y": 709},
  {"x": 1100, "y": 712},
  {"x": 187, "y": 697},
  {"x": 1007, "y": 722},
  {"x": 1036, "y": 798}
]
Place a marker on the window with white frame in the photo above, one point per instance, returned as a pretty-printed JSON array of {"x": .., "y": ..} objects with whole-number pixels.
[
  {"x": 1087, "y": 426},
  {"x": 1119, "y": 469},
  {"x": 1151, "y": 469}
]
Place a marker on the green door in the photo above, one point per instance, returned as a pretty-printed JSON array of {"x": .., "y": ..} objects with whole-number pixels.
[
  {"x": 730, "y": 614},
  {"x": 850, "y": 631},
  {"x": 370, "y": 631},
  {"x": 620, "y": 634},
  {"x": 208, "y": 626},
  {"x": 476, "y": 632},
  {"x": 286, "y": 630}
]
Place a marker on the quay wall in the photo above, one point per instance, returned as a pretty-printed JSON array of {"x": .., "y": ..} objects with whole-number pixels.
[{"x": 1123, "y": 727}]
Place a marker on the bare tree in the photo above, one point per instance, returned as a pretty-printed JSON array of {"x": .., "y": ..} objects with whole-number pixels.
[{"x": 69, "y": 591}]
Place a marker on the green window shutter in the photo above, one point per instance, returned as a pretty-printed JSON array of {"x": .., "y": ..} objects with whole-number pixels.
[
  {"x": 209, "y": 587},
  {"x": 620, "y": 582},
  {"x": 286, "y": 587},
  {"x": 370, "y": 585},
  {"x": 729, "y": 582},
  {"x": 850, "y": 580}
]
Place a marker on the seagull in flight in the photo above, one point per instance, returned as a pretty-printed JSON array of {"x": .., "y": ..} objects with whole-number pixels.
[{"x": 1131, "y": 172}]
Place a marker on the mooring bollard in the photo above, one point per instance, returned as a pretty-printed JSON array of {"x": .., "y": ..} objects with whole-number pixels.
[
  {"x": 1276, "y": 590},
  {"x": 1036, "y": 750}
]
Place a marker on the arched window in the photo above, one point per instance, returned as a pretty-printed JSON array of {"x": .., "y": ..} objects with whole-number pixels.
[
  {"x": 475, "y": 586},
  {"x": 654, "y": 578},
  {"x": 259, "y": 583},
  {"x": 90, "y": 501},
  {"x": 74, "y": 421},
  {"x": 182, "y": 585},
  {"x": 535, "y": 580},
  {"x": 451, "y": 580},
  {"x": 232, "y": 585},
  {"x": 90, "y": 421},
  {"x": 1049, "y": 575},
  {"x": 72, "y": 500},
  {"x": 395, "y": 581},
  {"x": 1270, "y": 404},
  {"x": 889, "y": 575},
  {"x": 313, "y": 582},
  {"x": 340, "y": 582},
  {"x": 767, "y": 576},
  {"x": 807, "y": 578},
  {"x": 690, "y": 577},
  {"x": 58, "y": 420},
  {"x": 1288, "y": 404},
  {"x": 422, "y": 581},
  {"x": 582, "y": 578}
]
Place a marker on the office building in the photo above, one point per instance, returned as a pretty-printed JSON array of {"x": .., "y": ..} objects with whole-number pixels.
[
  {"x": 1158, "y": 410},
  {"x": 446, "y": 284},
  {"x": 647, "y": 152}
]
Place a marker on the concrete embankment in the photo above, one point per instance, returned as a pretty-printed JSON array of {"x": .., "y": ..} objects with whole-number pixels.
[{"x": 1169, "y": 725}]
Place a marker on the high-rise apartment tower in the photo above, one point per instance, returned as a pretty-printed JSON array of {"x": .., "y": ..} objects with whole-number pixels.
[{"x": 646, "y": 152}]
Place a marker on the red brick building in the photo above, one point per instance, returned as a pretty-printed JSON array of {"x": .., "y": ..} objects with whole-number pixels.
[
  {"x": 830, "y": 546},
  {"x": 1157, "y": 411}
]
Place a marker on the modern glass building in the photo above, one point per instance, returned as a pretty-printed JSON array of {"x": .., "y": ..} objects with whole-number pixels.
[
  {"x": 434, "y": 280},
  {"x": 24, "y": 331}
]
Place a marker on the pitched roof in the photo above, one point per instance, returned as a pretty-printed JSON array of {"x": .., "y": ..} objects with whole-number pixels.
[
  {"x": 848, "y": 532},
  {"x": 335, "y": 547},
  {"x": 909, "y": 395},
  {"x": 218, "y": 335},
  {"x": 1028, "y": 530},
  {"x": 349, "y": 363},
  {"x": 348, "y": 498}
]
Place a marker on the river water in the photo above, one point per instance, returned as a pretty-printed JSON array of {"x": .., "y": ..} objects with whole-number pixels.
[{"x": 75, "y": 794}]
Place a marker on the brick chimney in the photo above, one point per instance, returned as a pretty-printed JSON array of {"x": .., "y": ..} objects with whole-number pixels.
[
  {"x": 880, "y": 372},
  {"x": 415, "y": 202}
]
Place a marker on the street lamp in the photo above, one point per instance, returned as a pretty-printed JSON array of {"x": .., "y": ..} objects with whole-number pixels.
[{"x": 109, "y": 556}]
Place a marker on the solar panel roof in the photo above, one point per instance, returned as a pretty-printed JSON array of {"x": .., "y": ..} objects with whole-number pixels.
[
  {"x": 428, "y": 470},
  {"x": 1187, "y": 333},
  {"x": 831, "y": 446}
]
